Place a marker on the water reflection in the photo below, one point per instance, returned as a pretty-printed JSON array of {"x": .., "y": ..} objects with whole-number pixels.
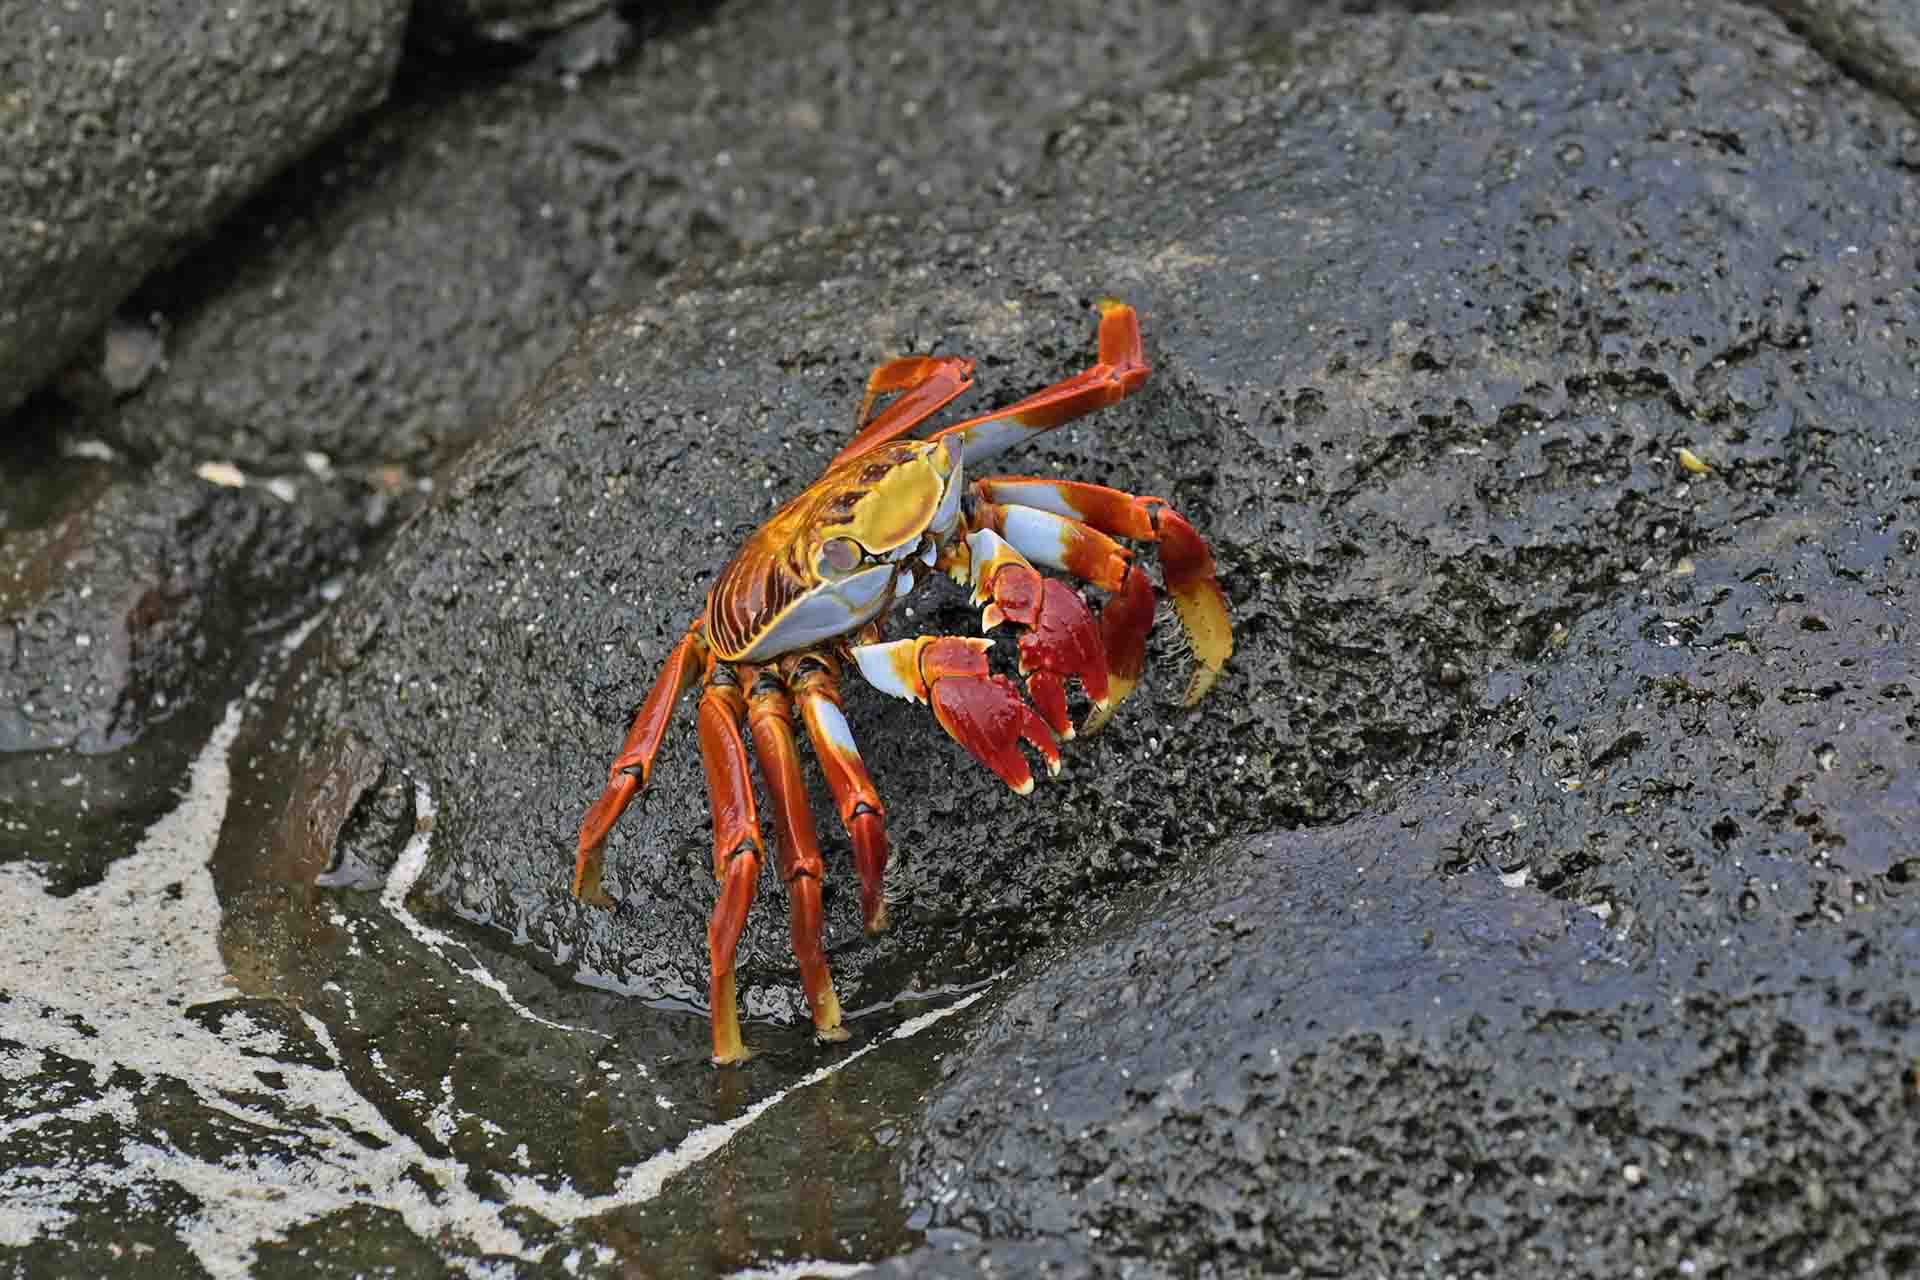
[{"x": 579, "y": 1109}]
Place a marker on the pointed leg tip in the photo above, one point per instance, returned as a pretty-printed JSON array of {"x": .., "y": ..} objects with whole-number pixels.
[
  {"x": 877, "y": 922},
  {"x": 586, "y": 882},
  {"x": 1200, "y": 685},
  {"x": 736, "y": 1057},
  {"x": 1023, "y": 787},
  {"x": 1103, "y": 712},
  {"x": 836, "y": 1034}
]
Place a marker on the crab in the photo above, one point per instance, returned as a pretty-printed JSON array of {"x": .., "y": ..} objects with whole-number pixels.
[{"x": 809, "y": 593}]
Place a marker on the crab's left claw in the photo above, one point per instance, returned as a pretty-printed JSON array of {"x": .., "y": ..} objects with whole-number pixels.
[
  {"x": 1058, "y": 637},
  {"x": 1070, "y": 526},
  {"x": 981, "y": 711},
  {"x": 1197, "y": 598}
]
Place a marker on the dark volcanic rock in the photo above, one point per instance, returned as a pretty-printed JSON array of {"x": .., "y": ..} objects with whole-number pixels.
[
  {"x": 1536, "y": 891},
  {"x": 129, "y": 131},
  {"x": 957, "y": 1256},
  {"x": 1309, "y": 1053},
  {"x": 1876, "y": 40},
  {"x": 1626, "y": 977},
  {"x": 127, "y": 613},
  {"x": 118, "y": 608},
  {"x": 460, "y": 25},
  {"x": 1427, "y": 446},
  {"x": 385, "y": 304}
]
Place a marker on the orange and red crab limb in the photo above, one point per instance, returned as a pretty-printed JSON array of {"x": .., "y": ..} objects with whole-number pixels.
[
  {"x": 1064, "y": 524},
  {"x": 981, "y": 711},
  {"x": 924, "y": 384},
  {"x": 1058, "y": 638},
  {"x": 1121, "y": 370},
  {"x": 815, "y": 681},
  {"x": 770, "y": 714},
  {"x": 738, "y": 852},
  {"x": 634, "y": 767}
]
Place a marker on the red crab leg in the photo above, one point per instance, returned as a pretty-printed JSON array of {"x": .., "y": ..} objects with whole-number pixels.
[
  {"x": 815, "y": 682},
  {"x": 737, "y": 854},
  {"x": 1062, "y": 523},
  {"x": 1121, "y": 371},
  {"x": 927, "y": 384},
  {"x": 1058, "y": 638},
  {"x": 770, "y": 714},
  {"x": 981, "y": 711},
  {"x": 636, "y": 758}
]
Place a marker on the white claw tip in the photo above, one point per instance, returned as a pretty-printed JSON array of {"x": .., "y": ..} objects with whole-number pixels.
[{"x": 1025, "y": 788}]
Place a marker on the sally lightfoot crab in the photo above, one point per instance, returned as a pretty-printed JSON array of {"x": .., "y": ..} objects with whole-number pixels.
[{"x": 810, "y": 591}]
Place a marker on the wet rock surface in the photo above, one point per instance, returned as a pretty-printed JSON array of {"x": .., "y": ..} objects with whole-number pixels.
[
  {"x": 1535, "y": 892},
  {"x": 130, "y": 131},
  {"x": 470, "y": 27},
  {"x": 132, "y": 567},
  {"x": 1625, "y": 971},
  {"x": 1877, "y": 41},
  {"x": 131, "y": 607},
  {"x": 386, "y": 306}
]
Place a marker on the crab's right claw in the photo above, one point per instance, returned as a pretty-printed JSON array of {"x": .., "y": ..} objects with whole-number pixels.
[
  {"x": 1059, "y": 639},
  {"x": 981, "y": 711}
]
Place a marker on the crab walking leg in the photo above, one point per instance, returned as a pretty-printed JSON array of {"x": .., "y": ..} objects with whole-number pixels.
[
  {"x": 737, "y": 854},
  {"x": 770, "y": 716},
  {"x": 634, "y": 766},
  {"x": 925, "y": 384},
  {"x": 816, "y": 684},
  {"x": 1121, "y": 371},
  {"x": 981, "y": 711},
  {"x": 1063, "y": 522},
  {"x": 1058, "y": 638}
]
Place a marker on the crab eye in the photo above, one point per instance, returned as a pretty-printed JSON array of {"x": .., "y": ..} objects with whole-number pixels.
[{"x": 840, "y": 555}]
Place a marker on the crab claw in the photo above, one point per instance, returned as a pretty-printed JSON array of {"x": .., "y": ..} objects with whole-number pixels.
[
  {"x": 981, "y": 711},
  {"x": 1124, "y": 625},
  {"x": 1058, "y": 638},
  {"x": 1197, "y": 598}
]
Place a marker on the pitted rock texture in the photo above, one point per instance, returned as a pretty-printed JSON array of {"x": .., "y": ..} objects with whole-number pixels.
[
  {"x": 1623, "y": 974},
  {"x": 385, "y": 305},
  {"x": 130, "y": 607},
  {"x": 1533, "y": 894},
  {"x": 1877, "y": 41},
  {"x": 131, "y": 130}
]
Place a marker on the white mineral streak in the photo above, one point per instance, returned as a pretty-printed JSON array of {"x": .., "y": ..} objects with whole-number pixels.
[
  {"x": 103, "y": 977},
  {"x": 644, "y": 1181},
  {"x": 407, "y": 869},
  {"x": 123, "y": 959},
  {"x": 805, "y": 1270}
]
